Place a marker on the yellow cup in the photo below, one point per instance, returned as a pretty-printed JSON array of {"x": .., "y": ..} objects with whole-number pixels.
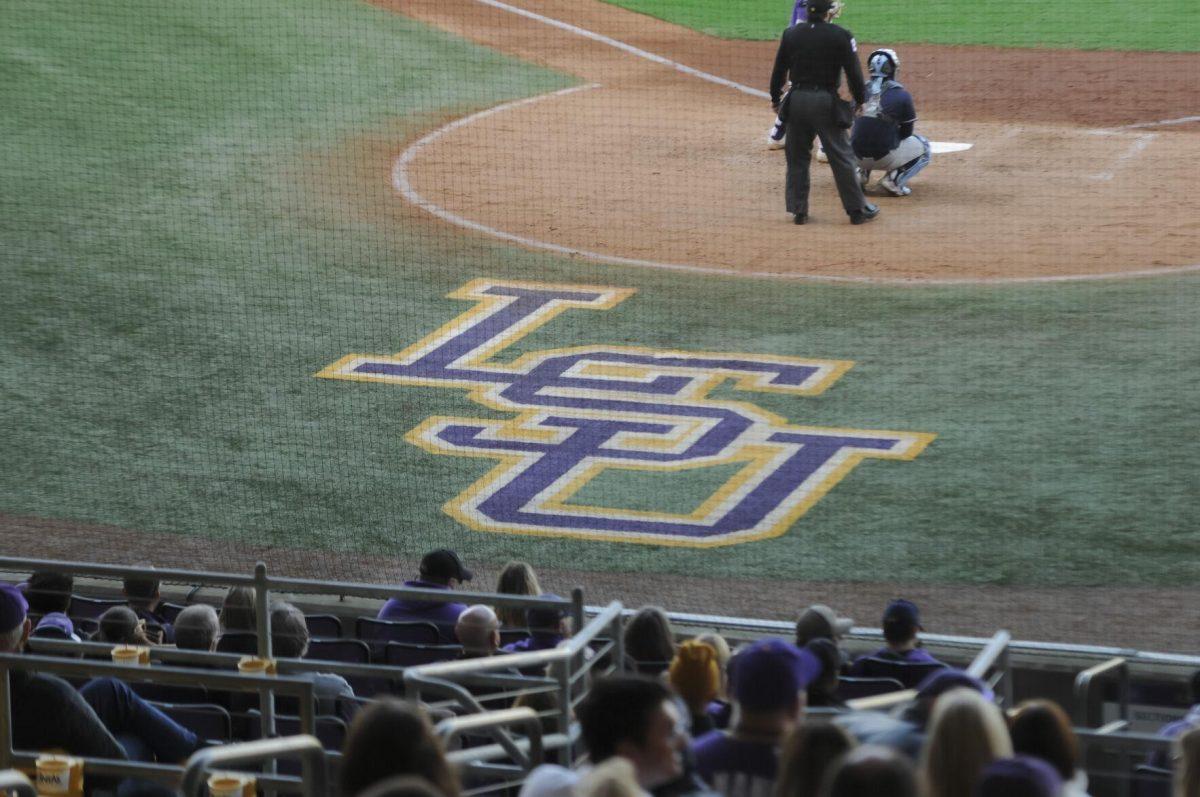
[
  {"x": 230, "y": 784},
  {"x": 131, "y": 655},
  {"x": 253, "y": 665},
  {"x": 58, "y": 774}
]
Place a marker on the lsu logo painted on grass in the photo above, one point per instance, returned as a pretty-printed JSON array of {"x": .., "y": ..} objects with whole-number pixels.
[{"x": 586, "y": 410}]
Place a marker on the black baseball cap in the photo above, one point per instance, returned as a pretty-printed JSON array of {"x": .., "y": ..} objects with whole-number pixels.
[{"x": 444, "y": 563}]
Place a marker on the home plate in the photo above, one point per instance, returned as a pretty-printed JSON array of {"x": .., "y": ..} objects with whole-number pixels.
[{"x": 939, "y": 147}]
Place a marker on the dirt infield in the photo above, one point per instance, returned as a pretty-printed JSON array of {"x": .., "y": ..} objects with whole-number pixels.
[
  {"x": 651, "y": 165},
  {"x": 1085, "y": 615}
]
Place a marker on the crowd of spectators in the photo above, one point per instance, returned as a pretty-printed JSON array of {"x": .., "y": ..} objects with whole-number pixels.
[{"x": 693, "y": 718}]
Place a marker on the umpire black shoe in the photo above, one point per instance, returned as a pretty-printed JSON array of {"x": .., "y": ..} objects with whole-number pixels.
[
  {"x": 868, "y": 213},
  {"x": 799, "y": 218}
]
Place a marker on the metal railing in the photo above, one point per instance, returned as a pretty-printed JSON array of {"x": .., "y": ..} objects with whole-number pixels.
[
  {"x": 314, "y": 777},
  {"x": 993, "y": 659},
  {"x": 302, "y": 690},
  {"x": 1126, "y": 749},
  {"x": 471, "y": 762},
  {"x": 1087, "y": 702}
]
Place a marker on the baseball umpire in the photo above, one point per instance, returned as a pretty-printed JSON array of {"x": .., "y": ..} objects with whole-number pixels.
[
  {"x": 814, "y": 55},
  {"x": 883, "y": 136}
]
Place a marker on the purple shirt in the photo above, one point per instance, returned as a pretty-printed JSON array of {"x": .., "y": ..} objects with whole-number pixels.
[
  {"x": 800, "y": 12},
  {"x": 736, "y": 767},
  {"x": 444, "y": 615},
  {"x": 533, "y": 643}
]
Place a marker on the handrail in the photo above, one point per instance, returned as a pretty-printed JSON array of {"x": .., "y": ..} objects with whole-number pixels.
[
  {"x": 881, "y": 702},
  {"x": 995, "y": 654},
  {"x": 315, "y": 777},
  {"x": 14, "y": 781},
  {"x": 527, "y": 718},
  {"x": 171, "y": 676},
  {"x": 1084, "y": 716}
]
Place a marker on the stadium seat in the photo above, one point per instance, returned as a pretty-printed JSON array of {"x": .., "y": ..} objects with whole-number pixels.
[
  {"x": 909, "y": 674},
  {"x": 377, "y": 633},
  {"x": 406, "y": 654},
  {"x": 85, "y": 626},
  {"x": 244, "y": 642},
  {"x": 853, "y": 688},
  {"x": 323, "y": 626},
  {"x": 210, "y": 722},
  {"x": 169, "y": 611},
  {"x": 350, "y": 651},
  {"x": 330, "y": 730},
  {"x": 1151, "y": 781},
  {"x": 92, "y": 608}
]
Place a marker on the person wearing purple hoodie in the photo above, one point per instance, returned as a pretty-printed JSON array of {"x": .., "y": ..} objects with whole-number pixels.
[{"x": 440, "y": 569}]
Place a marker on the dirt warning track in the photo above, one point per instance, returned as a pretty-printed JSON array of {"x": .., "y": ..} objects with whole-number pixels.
[{"x": 657, "y": 159}]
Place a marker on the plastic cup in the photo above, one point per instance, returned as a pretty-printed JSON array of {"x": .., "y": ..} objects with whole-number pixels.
[
  {"x": 252, "y": 665},
  {"x": 224, "y": 784},
  {"x": 53, "y": 774},
  {"x": 131, "y": 656}
]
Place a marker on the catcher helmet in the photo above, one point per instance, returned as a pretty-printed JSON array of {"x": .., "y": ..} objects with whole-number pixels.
[{"x": 883, "y": 63}]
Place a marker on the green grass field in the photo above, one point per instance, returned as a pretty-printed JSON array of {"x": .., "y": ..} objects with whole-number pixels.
[
  {"x": 172, "y": 276},
  {"x": 1169, "y": 25}
]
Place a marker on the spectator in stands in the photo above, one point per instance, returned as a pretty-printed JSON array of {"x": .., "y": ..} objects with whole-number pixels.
[
  {"x": 389, "y": 738},
  {"x": 770, "y": 679},
  {"x": 402, "y": 786},
  {"x": 517, "y": 578},
  {"x": 547, "y": 627},
  {"x": 56, "y": 625},
  {"x": 1040, "y": 728},
  {"x": 720, "y": 709},
  {"x": 966, "y": 733},
  {"x": 820, "y": 622},
  {"x": 197, "y": 628},
  {"x": 1180, "y": 726},
  {"x": 289, "y": 640},
  {"x": 649, "y": 641},
  {"x": 871, "y": 772},
  {"x": 120, "y": 626},
  {"x": 822, "y": 692},
  {"x": 1019, "y": 776},
  {"x": 104, "y": 719},
  {"x": 695, "y": 676},
  {"x": 478, "y": 631},
  {"x": 616, "y": 777},
  {"x": 142, "y": 595},
  {"x": 1186, "y": 753},
  {"x": 806, "y": 755},
  {"x": 238, "y": 610},
  {"x": 440, "y": 569},
  {"x": 632, "y": 717},
  {"x": 49, "y": 592},
  {"x": 901, "y": 622}
]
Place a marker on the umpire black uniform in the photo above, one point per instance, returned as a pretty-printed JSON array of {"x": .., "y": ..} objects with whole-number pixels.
[{"x": 813, "y": 55}]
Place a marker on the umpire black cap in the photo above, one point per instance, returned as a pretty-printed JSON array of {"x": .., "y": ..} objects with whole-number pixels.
[{"x": 819, "y": 6}]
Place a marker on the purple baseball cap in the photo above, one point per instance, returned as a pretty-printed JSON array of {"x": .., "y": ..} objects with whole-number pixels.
[
  {"x": 13, "y": 607},
  {"x": 949, "y": 678},
  {"x": 1019, "y": 776},
  {"x": 769, "y": 673},
  {"x": 56, "y": 624},
  {"x": 903, "y": 611}
]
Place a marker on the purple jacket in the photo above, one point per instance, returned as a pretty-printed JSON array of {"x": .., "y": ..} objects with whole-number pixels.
[
  {"x": 735, "y": 767},
  {"x": 532, "y": 643},
  {"x": 444, "y": 615}
]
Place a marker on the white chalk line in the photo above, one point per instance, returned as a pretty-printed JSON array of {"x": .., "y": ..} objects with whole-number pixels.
[
  {"x": 1136, "y": 148},
  {"x": 403, "y": 185},
  {"x": 1182, "y": 120}
]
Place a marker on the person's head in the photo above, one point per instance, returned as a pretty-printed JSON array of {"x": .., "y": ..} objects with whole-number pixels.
[
  {"x": 824, "y": 686},
  {"x": 14, "y": 619},
  {"x": 936, "y": 684},
  {"x": 635, "y": 718},
  {"x": 871, "y": 771},
  {"x": 120, "y": 625},
  {"x": 648, "y": 636},
  {"x": 237, "y": 610},
  {"x": 770, "y": 678},
  {"x": 883, "y": 63},
  {"x": 823, "y": 10},
  {"x": 142, "y": 591},
  {"x": 197, "y": 628},
  {"x": 966, "y": 733},
  {"x": 1041, "y": 729},
  {"x": 548, "y": 621},
  {"x": 478, "y": 631},
  {"x": 805, "y": 756},
  {"x": 289, "y": 631},
  {"x": 49, "y": 592},
  {"x": 401, "y": 786},
  {"x": 1019, "y": 776},
  {"x": 391, "y": 737},
  {"x": 444, "y": 567},
  {"x": 901, "y": 622},
  {"x": 724, "y": 654},
  {"x": 55, "y": 625},
  {"x": 820, "y": 622},
  {"x": 695, "y": 674},
  {"x": 517, "y": 578},
  {"x": 1187, "y": 769}
]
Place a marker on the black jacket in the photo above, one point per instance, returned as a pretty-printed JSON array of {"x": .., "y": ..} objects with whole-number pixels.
[{"x": 815, "y": 54}]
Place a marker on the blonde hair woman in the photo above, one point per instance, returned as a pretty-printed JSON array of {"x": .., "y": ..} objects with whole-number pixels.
[
  {"x": 966, "y": 733},
  {"x": 517, "y": 578}
]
